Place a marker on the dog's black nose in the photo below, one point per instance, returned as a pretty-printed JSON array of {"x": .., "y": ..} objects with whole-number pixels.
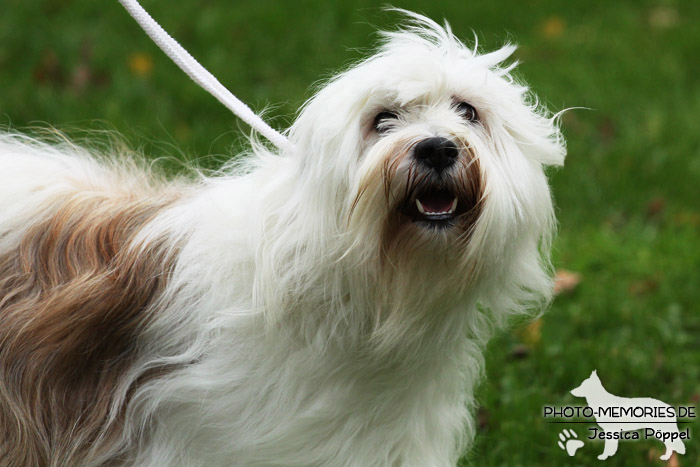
[{"x": 437, "y": 153}]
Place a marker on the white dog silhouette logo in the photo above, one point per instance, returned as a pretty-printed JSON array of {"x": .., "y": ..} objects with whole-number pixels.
[{"x": 617, "y": 415}]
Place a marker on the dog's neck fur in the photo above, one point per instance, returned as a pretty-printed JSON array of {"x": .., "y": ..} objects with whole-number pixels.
[{"x": 343, "y": 345}]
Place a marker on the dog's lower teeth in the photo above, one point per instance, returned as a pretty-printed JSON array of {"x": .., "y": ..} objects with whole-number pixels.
[{"x": 422, "y": 211}]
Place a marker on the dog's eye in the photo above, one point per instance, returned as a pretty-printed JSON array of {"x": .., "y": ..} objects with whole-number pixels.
[
  {"x": 467, "y": 111},
  {"x": 381, "y": 120}
]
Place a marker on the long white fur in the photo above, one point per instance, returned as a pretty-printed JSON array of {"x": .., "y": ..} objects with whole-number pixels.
[{"x": 295, "y": 346}]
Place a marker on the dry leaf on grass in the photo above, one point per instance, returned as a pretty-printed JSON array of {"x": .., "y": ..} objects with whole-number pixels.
[
  {"x": 553, "y": 27},
  {"x": 532, "y": 333},
  {"x": 643, "y": 287},
  {"x": 663, "y": 17},
  {"x": 656, "y": 207},
  {"x": 654, "y": 454},
  {"x": 140, "y": 64},
  {"x": 566, "y": 281}
]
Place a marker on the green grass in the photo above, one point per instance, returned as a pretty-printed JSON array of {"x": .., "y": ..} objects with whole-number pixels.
[{"x": 628, "y": 197}]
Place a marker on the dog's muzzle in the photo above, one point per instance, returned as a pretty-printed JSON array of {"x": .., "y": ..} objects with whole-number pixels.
[{"x": 436, "y": 196}]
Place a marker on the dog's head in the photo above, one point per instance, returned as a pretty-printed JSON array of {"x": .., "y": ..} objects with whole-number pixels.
[{"x": 429, "y": 150}]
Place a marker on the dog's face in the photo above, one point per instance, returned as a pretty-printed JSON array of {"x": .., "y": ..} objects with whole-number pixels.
[
  {"x": 421, "y": 167},
  {"x": 430, "y": 150}
]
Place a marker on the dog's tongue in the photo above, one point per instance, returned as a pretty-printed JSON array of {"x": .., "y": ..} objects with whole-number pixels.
[{"x": 441, "y": 201}]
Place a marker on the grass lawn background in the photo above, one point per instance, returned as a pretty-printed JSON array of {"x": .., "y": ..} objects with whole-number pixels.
[{"x": 628, "y": 198}]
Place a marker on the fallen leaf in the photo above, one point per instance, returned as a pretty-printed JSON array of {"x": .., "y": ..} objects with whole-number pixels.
[
  {"x": 687, "y": 219},
  {"x": 566, "y": 281},
  {"x": 140, "y": 64},
  {"x": 607, "y": 130},
  {"x": 643, "y": 287},
  {"x": 656, "y": 207},
  {"x": 663, "y": 17},
  {"x": 82, "y": 76},
  {"x": 532, "y": 333},
  {"x": 49, "y": 70},
  {"x": 553, "y": 27},
  {"x": 653, "y": 454}
]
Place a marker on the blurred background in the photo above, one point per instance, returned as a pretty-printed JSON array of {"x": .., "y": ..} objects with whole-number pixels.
[{"x": 628, "y": 198}]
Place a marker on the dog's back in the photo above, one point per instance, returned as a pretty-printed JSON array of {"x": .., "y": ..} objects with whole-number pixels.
[{"x": 69, "y": 306}]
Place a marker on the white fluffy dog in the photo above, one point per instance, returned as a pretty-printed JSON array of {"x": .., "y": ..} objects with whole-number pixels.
[{"x": 325, "y": 306}]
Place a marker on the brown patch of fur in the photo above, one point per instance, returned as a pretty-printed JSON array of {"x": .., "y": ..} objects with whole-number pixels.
[
  {"x": 386, "y": 171},
  {"x": 72, "y": 302},
  {"x": 471, "y": 189}
]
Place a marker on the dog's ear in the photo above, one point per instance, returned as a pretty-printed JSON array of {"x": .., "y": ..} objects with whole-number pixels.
[
  {"x": 538, "y": 135},
  {"x": 594, "y": 374}
]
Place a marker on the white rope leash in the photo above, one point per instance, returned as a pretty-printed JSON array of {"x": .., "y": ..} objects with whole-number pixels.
[{"x": 200, "y": 75}]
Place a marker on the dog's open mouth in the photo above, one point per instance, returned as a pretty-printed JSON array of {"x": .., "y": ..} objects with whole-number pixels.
[{"x": 436, "y": 206}]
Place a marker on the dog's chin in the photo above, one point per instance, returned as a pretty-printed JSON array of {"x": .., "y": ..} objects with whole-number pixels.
[
  {"x": 442, "y": 206},
  {"x": 436, "y": 221},
  {"x": 435, "y": 208}
]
